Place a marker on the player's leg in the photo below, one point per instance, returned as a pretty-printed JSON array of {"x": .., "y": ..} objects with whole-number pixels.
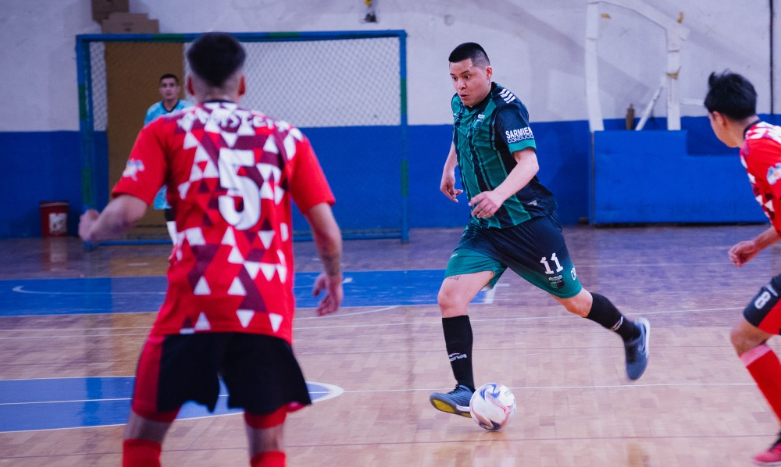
[
  {"x": 143, "y": 439},
  {"x": 536, "y": 250},
  {"x": 170, "y": 224},
  {"x": 635, "y": 334},
  {"x": 264, "y": 378},
  {"x": 762, "y": 320},
  {"x": 146, "y": 426},
  {"x": 265, "y": 436},
  {"x": 172, "y": 370},
  {"x": 455, "y": 294},
  {"x": 471, "y": 267}
]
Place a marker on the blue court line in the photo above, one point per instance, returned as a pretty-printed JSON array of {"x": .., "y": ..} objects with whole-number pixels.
[
  {"x": 46, "y": 404},
  {"x": 37, "y": 297}
]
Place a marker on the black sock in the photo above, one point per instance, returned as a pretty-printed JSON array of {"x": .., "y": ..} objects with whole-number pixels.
[
  {"x": 606, "y": 314},
  {"x": 458, "y": 341}
]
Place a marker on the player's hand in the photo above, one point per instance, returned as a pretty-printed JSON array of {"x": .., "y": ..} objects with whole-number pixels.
[
  {"x": 743, "y": 252},
  {"x": 448, "y": 185},
  {"x": 485, "y": 204},
  {"x": 333, "y": 293},
  {"x": 85, "y": 224}
]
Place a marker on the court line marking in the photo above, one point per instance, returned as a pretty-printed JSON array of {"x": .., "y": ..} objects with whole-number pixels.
[
  {"x": 348, "y": 326},
  {"x": 334, "y": 391}
]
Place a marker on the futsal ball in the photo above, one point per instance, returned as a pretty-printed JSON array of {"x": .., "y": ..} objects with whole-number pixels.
[{"x": 492, "y": 406}]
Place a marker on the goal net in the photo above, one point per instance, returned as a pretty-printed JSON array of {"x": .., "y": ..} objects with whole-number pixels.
[{"x": 346, "y": 91}]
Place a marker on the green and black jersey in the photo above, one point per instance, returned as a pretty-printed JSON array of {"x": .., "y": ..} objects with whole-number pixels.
[{"x": 485, "y": 138}]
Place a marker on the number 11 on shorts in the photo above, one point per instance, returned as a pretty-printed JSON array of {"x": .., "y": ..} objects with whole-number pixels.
[{"x": 553, "y": 258}]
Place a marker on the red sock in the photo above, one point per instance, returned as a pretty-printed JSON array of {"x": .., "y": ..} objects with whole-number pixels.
[
  {"x": 140, "y": 453},
  {"x": 765, "y": 368},
  {"x": 269, "y": 459}
]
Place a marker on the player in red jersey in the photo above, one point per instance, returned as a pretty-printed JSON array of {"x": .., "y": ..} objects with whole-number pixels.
[
  {"x": 731, "y": 104},
  {"x": 229, "y": 306}
]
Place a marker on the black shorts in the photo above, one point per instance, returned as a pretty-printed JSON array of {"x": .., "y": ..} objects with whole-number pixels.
[
  {"x": 764, "y": 311},
  {"x": 261, "y": 373},
  {"x": 535, "y": 250}
]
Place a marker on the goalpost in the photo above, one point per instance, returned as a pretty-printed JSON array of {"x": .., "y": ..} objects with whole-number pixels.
[{"x": 346, "y": 91}]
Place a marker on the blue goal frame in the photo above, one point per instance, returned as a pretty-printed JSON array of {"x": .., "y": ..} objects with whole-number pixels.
[{"x": 90, "y": 177}]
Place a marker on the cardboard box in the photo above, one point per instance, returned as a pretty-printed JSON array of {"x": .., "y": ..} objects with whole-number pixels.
[
  {"x": 125, "y": 17},
  {"x": 147, "y": 26},
  {"x": 101, "y": 9}
]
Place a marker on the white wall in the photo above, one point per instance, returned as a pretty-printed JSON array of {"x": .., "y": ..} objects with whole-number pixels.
[{"x": 536, "y": 47}]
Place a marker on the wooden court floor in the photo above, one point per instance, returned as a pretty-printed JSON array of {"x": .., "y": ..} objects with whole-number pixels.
[{"x": 695, "y": 406}]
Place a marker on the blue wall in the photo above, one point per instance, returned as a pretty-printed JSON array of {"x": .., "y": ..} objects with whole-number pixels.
[
  {"x": 363, "y": 168},
  {"x": 38, "y": 166}
]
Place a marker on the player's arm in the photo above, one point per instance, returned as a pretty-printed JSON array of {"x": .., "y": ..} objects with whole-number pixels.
[
  {"x": 486, "y": 204},
  {"x": 121, "y": 214},
  {"x": 448, "y": 183},
  {"x": 745, "y": 251},
  {"x": 328, "y": 240},
  {"x": 762, "y": 159}
]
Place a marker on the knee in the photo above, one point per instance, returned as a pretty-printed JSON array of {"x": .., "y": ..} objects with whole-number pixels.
[
  {"x": 579, "y": 305},
  {"x": 742, "y": 342},
  {"x": 449, "y": 303}
]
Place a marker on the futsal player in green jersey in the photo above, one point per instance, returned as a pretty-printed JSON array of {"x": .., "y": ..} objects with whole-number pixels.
[{"x": 513, "y": 223}]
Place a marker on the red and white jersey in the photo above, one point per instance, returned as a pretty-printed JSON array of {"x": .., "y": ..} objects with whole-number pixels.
[
  {"x": 230, "y": 174},
  {"x": 761, "y": 156}
]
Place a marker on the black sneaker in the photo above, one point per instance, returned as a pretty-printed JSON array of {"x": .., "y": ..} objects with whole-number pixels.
[
  {"x": 455, "y": 401},
  {"x": 637, "y": 351}
]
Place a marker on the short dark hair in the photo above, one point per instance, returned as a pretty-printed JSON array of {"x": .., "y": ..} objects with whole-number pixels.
[
  {"x": 215, "y": 57},
  {"x": 169, "y": 75},
  {"x": 470, "y": 50},
  {"x": 732, "y": 95}
]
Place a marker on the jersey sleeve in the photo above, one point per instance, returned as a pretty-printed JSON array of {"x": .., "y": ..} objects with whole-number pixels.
[
  {"x": 764, "y": 166},
  {"x": 145, "y": 171},
  {"x": 512, "y": 126},
  {"x": 308, "y": 184}
]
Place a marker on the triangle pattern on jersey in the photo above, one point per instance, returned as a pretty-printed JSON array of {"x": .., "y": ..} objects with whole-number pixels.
[
  {"x": 290, "y": 146},
  {"x": 266, "y": 192},
  {"x": 276, "y": 320},
  {"x": 282, "y": 270},
  {"x": 229, "y": 238},
  {"x": 183, "y": 189},
  {"x": 246, "y": 129},
  {"x": 201, "y": 155},
  {"x": 268, "y": 270},
  {"x": 210, "y": 170},
  {"x": 190, "y": 141},
  {"x": 196, "y": 173},
  {"x": 278, "y": 194},
  {"x": 252, "y": 268},
  {"x": 271, "y": 146},
  {"x": 230, "y": 138},
  {"x": 235, "y": 256},
  {"x": 265, "y": 237},
  {"x": 202, "y": 288},
  {"x": 245, "y": 316},
  {"x": 236, "y": 288},
  {"x": 203, "y": 323}
]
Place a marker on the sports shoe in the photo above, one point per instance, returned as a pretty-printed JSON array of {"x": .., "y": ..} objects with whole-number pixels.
[
  {"x": 772, "y": 456},
  {"x": 637, "y": 351},
  {"x": 455, "y": 401}
]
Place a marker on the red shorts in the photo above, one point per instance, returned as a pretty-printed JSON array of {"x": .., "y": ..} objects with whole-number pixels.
[
  {"x": 764, "y": 311},
  {"x": 260, "y": 372}
]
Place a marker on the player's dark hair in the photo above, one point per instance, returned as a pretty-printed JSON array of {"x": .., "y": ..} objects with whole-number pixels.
[
  {"x": 732, "y": 95},
  {"x": 169, "y": 75},
  {"x": 470, "y": 50},
  {"x": 215, "y": 57}
]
